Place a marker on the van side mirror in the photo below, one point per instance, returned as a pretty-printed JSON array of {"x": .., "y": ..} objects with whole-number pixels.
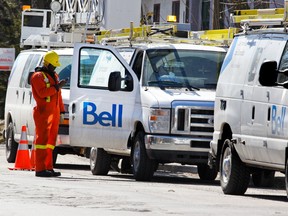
[
  {"x": 115, "y": 79},
  {"x": 268, "y": 73},
  {"x": 114, "y": 82},
  {"x": 29, "y": 77}
]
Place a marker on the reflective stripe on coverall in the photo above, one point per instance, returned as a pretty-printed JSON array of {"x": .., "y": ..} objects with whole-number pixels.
[{"x": 46, "y": 115}]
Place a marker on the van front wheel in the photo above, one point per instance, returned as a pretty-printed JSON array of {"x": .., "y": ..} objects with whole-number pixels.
[
  {"x": 11, "y": 144},
  {"x": 234, "y": 175},
  {"x": 143, "y": 167}
]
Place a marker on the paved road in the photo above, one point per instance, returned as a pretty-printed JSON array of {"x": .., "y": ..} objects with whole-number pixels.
[{"x": 78, "y": 192}]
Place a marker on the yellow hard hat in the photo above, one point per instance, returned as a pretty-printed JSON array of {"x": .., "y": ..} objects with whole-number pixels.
[{"x": 52, "y": 58}]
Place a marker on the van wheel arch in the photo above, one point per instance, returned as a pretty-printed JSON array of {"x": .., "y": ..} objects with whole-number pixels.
[
  {"x": 226, "y": 133},
  {"x": 138, "y": 126}
]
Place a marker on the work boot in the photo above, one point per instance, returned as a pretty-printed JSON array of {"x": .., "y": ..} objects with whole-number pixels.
[
  {"x": 44, "y": 173},
  {"x": 54, "y": 173}
]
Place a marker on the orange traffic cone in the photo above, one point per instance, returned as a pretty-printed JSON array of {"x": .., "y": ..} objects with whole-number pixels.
[
  {"x": 22, "y": 161},
  {"x": 32, "y": 159}
]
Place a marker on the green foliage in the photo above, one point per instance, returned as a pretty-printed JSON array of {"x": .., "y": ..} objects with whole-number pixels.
[
  {"x": 10, "y": 27},
  {"x": 10, "y": 22}
]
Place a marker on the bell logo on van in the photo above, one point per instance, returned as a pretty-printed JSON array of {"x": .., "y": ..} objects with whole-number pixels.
[
  {"x": 104, "y": 118},
  {"x": 278, "y": 120}
]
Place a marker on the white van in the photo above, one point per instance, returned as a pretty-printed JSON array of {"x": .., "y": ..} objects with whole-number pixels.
[
  {"x": 158, "y": 109},
  {"x": 20, "y": 102},
  {"x": 251, "y": 125}
]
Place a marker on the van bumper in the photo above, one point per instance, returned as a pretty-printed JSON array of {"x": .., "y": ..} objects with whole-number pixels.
[{"x": 179, "y": 149}]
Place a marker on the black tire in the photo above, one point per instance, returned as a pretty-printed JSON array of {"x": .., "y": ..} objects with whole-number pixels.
[
  {"x": 55, "y": 155},
  {"x": 126, "y": 166},
  {"x": 206, "y": 173},
  {"x": 234, "y": 175},
  {"x": 263, "y": 178},
  {"x": 99, "y": 161},
  {"x": 11, "y": 144},
  {"x": 286, "y": 177},
  {"x": 143, "y": 167}
]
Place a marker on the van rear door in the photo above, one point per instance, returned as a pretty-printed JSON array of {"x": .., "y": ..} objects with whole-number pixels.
[{"x": 99, "y": 117}]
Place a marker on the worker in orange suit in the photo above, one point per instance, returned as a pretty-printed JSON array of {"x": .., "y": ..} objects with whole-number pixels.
[{"x": 46, "y": 90}]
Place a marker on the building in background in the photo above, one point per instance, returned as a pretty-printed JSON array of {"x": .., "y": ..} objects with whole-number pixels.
[{"x": 200, "y": 14}]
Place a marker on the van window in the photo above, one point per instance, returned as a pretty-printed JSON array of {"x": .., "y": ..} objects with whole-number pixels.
[
  {"x": 182, "y": 68},
  {"x": 283, "y": 65},
  {"x": 30, "y": 65},
  {"x": 18, "y": 66},
  {"x": 95, "y": 67},
  {"x": 137, "y": 66}
]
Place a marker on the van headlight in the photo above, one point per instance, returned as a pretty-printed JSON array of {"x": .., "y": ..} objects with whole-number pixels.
[{"x": 159, "y": 120}]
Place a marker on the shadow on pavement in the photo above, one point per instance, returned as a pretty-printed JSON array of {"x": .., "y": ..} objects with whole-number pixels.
[
  {"x": 72, "y": 166},
  {"x": 269, "y": 197}
]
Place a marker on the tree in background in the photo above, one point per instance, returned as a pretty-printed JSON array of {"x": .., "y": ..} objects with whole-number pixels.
[{"x": 10, "y": 21}]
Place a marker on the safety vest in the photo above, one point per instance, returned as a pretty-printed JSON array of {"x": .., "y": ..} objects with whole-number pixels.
[{"x": 46, "y": 80}]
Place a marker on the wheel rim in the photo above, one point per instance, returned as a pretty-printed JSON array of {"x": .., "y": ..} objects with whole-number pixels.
[
  {"x": 226, "y": 165},
  {"x": 92, "y": 158},
  {"x": 136, "y": 155},
  {"x": 9, "y": 144}
]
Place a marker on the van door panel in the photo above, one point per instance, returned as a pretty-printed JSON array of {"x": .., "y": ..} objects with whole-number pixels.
[
  {"x": 262, "y": 97},
  {"x": 99, "y": 117},
  {"x": 277, "y": 127},
  {"x": 28, "y": 101},
  {"x": 14, "y": 94},
  {"x": 250, "y": 109}
]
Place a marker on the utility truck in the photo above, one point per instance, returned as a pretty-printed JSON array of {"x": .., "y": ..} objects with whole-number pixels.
[
  {"x": 158, "y": 109},
  {"x": 250, "y": 128}
]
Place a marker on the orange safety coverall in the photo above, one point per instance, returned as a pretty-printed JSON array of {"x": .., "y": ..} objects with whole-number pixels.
[{"x": 46, "y": 114}]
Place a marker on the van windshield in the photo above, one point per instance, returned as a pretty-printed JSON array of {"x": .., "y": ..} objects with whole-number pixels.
[{"x": 171, "y": 68}]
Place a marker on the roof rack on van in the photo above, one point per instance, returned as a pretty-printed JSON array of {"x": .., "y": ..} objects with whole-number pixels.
[
  {"x": 164, "y": 33},
  {"x": 261, "y": 17},
  {"x": 41, "y": 29}
]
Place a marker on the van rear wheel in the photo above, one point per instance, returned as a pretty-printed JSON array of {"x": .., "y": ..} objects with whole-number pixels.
[
  {"x": 263, "y": 178},
  {"x": 99, "y": 161},
  {"x": 11, "y": 144},
  {"x": 286, "y": 177},
  {"x": 55, "y": 155},
  {"x": 234, "y": 175},
  {"x": 206, "y": 173}
]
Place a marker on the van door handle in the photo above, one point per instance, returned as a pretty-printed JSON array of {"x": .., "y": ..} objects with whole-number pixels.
[
  {"x": 23, "y": 98},
  {"x": 30, "y": 95},
  {"x": 268, "y": 114},
  {"x": 17, "y": 93},
  {"x": 268, "y": 95},
  {"x": 242, "y": 93},
  {"x": 253, "y": 112},
  {"x": 73, "y": 109}
]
